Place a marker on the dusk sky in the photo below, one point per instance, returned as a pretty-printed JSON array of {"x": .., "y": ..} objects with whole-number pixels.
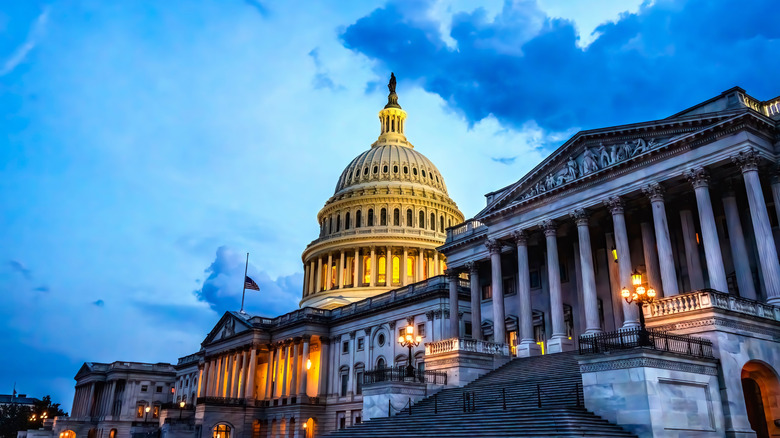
[{"x": 146, "y": 146}]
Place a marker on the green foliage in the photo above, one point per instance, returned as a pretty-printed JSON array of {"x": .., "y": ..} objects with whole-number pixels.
[{"x": 15, "y": 417}]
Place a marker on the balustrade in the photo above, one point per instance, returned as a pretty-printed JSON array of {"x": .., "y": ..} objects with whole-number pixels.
[
  {"x": 708, "y": 298},
  {"x": 466, "y": 344}
]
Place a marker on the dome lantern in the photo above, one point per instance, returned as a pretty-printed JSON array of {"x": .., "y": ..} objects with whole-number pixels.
[{"x": 392, "y": 119}]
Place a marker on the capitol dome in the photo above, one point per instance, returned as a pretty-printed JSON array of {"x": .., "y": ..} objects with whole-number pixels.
[{"x": 381, "y": 227}]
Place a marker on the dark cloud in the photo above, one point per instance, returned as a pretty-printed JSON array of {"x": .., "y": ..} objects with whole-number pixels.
[
  {"x": 99, "y": 303},
  {"x": 523, "y": 65},
  {"x": 19, "y": 267},
  {"x": 504, "y": 160},
  {"x": 222, "y": 289}
]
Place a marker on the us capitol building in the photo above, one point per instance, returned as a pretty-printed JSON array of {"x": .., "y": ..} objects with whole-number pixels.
[{"x": 628, "y": 285}]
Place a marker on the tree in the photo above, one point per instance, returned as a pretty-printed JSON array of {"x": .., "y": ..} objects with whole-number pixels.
[{"x": 15, "y": 417}]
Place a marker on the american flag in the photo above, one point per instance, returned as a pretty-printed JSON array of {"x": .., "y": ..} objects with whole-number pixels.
[{"x": 250, "y": 284}]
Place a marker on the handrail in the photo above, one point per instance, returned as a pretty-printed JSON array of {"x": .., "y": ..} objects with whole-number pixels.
[{"x": 645, "y": 338}]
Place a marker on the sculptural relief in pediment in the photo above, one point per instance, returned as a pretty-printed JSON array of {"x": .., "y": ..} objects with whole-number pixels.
[{"x": 590, "y": 160}]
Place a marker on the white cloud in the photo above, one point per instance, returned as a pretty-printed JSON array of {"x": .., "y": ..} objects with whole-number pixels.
[{"x": 37, "y": 31}]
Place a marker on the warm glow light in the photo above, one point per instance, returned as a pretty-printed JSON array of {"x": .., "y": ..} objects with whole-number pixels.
[
  {"x": 419, "y": 339},
  {"x": 181, "y": 404},
  {"x": 409, "y": 338},
  {"x": 409, "y": 330},
  {"x": 651, "y": 293},
  {"x": 634, "y": 297},
  {"x": 640, "y": 290},
  {"x": 614, "y": 254},
  {"x": 305, "y": 425},
  {"x": 636, "y": 278},
  {"x": 308, "y": 364},
  {"x": 400, "y": 339},
  {"x": 147, "y": 409},
  {"x": 625, "y": 292}
]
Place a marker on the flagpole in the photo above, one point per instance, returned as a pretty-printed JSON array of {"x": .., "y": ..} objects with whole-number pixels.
[{"x": 243, "y": 291}]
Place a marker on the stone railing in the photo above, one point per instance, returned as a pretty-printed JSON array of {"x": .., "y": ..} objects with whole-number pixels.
[
  {"x": 381, "y": 229},
  {"x": 465, "y": 229},
  {"x": 708, "y": 299},
  {"x": 467, "y": 345}
]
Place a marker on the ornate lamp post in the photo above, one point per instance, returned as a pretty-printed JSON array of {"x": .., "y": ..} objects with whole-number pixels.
[
  {"x": 641, "y": 296},
  {"x": 409, "y": 340},
  {"x": 181, "y": 407}
]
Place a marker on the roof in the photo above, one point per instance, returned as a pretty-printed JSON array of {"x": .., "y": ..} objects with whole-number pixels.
[{"x": 9, "y": 399}]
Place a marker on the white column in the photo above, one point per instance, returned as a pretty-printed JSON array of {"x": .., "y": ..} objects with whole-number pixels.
[
  {"x": 356, "y": 272},
  {"x": 559, "y": 341},
  {"x": 270, "y": 373},
  {"x": 284, "y": 383},
  {"x": 651, "y": 256},
  {"x": 249, "y": 392},
  {"x": 527, "y": 345},
  {"x": 235, "y": 373},
  {"x": 306, "y": 279},
  {"x": 319, "y": 274},
  {"x": 630, "y": 311},
  {"x": 388, "y": 268},
  {"x": 767, "y": 252},
  {"x": 668, "y": 285},
  {"x": 699, "y": 178},
  {"x": 203, "y": 372},
  {"x": 329, "y": 273},
  {"x": 404, "y": 264},
  {"x": 776, "y": 190},
  {"x": 373, "y": 267},
  {"x": 313, "y": 277},
  {"x": 294, "y": 365},
  {"x": 452, "y": 279},
  {"x": 322, "y": 389},
  {"x": 499, "y": 326},
  {"x": 351, "y": 378},
  {"x": 476, "y": 300},
  {"x": 340, "y": 271},
  {"x": 436, "y": 265},
  {"x": 589, "y": 295},
  {"x": 419, "y": 274},
  {"x": 695, "y": 272},
  {"x": 304, "y": 373},
  {"x": 739, "y": 251}
]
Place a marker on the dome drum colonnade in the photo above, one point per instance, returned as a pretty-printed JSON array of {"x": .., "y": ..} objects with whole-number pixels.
[{"x": 381, "y": 228}]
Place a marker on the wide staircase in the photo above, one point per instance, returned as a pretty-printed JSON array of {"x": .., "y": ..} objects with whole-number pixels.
[{"x": 503, "y": 403}]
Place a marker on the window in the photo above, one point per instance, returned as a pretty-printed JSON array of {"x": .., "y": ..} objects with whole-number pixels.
[
  {"x": 366, "y": 269},
  {"x": 144, "y": 388},
  {"x": 422, "y": 220},
  {"x": 410, "y": 272},
  {"x": 344, "y": 383},
  {"x": 421, "y": 329},
  {"x": 376, "y": 169},
  {"x": 423, "y": 173},
  {"x": 345, "y": 347},
  {"x": 535, "y": 279},
  {"x": 156, "y": 411},
  {"x": 510, "y": 286},
  {"x": 346, "y": 221},
  {"x": 381, "y": 268},
  {"x": 159, "y": 389},
  {"x": 564, "y": 273},
  {"x": 414, "y": 171},
  {"x": 384, "y": 169},
  {"x": 370, "y": 217},
  {"x": 601, "y": 313},
  {"x": 487, "y": 292},
  {"x": 381, "y": 340},
  {"x": 468, "y": 329},
  {"x": 330, "y": 226},
  {"x": 380, "y": 364},
  {"x": 338, "y": 223},
  {"x": 383, "y": 217},
  {"x": 359, "y": 380},
  {"x": 139, "y": 410},
  {"x": 358, "y": 219},
  {"x": 539, "y": 332},
  {"x": 365, "y": 171},
  {"x": 396, "y": 217},
  {"x": 433, "y": 222},
  {"x": 221, "y": 431},
  {"x": 396, "y": 269},
  {"x": 568, "y": 319},
  {"x": 360, "y": 343},
  {"x": 441, "y": 224},
  {"x": 342, "y": 423},
  {"x": 358, "y": 419},
  {"x": 112, "y": 434},
  {"x": 395, "y": 169},
  {"x": 409, "y": 218},
  {"x": 406, "y": 170}
]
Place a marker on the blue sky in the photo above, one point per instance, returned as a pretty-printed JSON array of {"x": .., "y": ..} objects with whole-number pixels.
[{"x": 148, "y": 145}]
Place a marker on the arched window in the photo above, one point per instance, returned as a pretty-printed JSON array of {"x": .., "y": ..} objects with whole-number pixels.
[
  {"x": 383, "y": 217},
  {"x": 358, "y": 219},
  {"x": 330, "y": 226},
  {"x": 433, "y": 222},
  {"x": 112, "y": 433},
  {"x": 381, "y": 269},
  {"x": 221, "y": 431},
  {"x": 406, "y": 170},
  {"x": 410, "y": 271},
  {"x": 384, "y": 169},
  {"x": 396, "y": 217},
  {"x": 423, "y": 173},
  {"x": 370, "y": 217},
  {"x": 441, "y": 224},
  {"x": 380, "y": 364},
  {"x": 395, "y": 169},
  {"x": 365, "y": 171},
  {"x": 396, "y": 269},
  {"x": 414, "y": 171},
  {"x": 422, "y": 219},
  {"x": 338, "y": 223},
  {"x": 409, "y": 222},
  {"x": 376, "y": 169},
  {"x": 291, "y": 429},
  {"x": 347, "y": 224}
]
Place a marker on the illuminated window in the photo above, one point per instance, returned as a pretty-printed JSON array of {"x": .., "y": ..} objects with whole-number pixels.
[
  {"x": 333, "y": 278},
  {"x": 396, "y": 217},
  {"x": 396, "y": 269},
  {"x": 370, "y": 217},
  {"x": 383, "y": 217},
  {"x": 421, "y": 329},
  {"x": 381, "y": 268},
  {"x": 409, "y": 268},
  {"x": 422, "y": 219},
  {"x": 68, "y": 434},
  {"x": 112, "y": 434},
  {"x": 409, "y": 218},
  {"x": 221, "y": 431},
  {"x": 346, "y": 221},
  {"x": 366, "y": 269},
  {"x": 433, "y": 222},
  {"x": 358, "y": 219},
  {"x": 487, "y": 292},
  {"x": 139, "y": 410},
  {"x": 156, "y": 411}
]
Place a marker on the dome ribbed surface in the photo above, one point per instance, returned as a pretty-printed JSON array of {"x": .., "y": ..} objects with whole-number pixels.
[{"x": 391, "y": 163}]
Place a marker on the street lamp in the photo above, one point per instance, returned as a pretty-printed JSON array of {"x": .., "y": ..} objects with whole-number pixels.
[
  {"x": 181, "y": 408},
  {"x": 641, "y": 296},
  {"x": 409, "y": 340},
  {"x": 305, "y": 430},
  {"x": 146, "y": 416}
]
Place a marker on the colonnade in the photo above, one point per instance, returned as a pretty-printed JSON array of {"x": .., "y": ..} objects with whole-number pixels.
[
  {"x": 229, "y": 374},
  {"x": 657, "y": 251},
  {"x": 360, "y": 266}
]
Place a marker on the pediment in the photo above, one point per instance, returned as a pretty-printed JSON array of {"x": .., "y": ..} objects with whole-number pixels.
[{"x": 229, "y": 325}]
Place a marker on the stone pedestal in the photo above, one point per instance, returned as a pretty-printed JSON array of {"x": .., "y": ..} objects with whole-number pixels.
[
  {"x": 653, "y": 393},
  {"x": 383, "y": 398},
  {"x": 464, "y": 360},
  {"x": 528, "y": 349},
  {"x": 559, "y": 345}
]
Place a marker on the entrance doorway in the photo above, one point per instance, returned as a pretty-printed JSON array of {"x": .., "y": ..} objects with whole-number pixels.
[{"x": 761, "y": 389}]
